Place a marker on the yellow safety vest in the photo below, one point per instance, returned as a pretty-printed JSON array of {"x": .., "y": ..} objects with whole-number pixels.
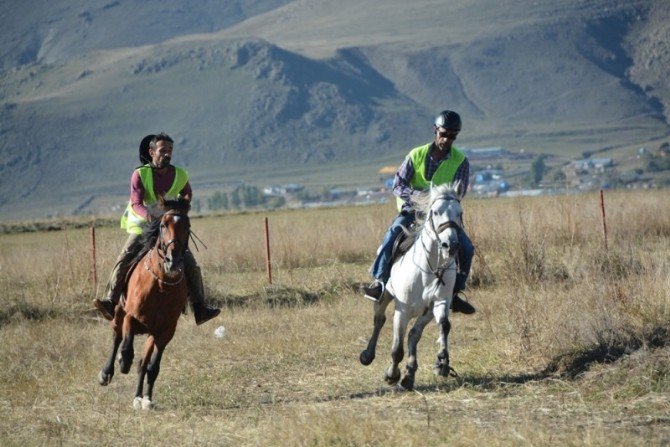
[
  {"x": 133, "y": 222},
  {"x": 445, "y": 171}
]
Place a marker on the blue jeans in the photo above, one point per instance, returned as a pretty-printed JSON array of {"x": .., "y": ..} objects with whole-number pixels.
[{"x": 381, "y": 268}]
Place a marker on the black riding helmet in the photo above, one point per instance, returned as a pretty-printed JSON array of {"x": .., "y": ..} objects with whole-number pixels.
[
  {"x": 144, "y": 149},
  {"x": 449, "y": 120}
]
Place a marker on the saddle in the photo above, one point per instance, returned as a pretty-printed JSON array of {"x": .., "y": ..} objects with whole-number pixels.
[{"x": 403, "y": 242}]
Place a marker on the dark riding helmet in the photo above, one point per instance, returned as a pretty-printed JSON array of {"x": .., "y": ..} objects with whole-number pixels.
[
  {"x": 449, "y": 120},
  {"x": 144, "y": 149}
]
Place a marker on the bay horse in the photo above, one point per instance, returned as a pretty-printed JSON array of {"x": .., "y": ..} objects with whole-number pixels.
[
  {"x": 155, "y": 296},
  {"x": 421, "y": 285}
]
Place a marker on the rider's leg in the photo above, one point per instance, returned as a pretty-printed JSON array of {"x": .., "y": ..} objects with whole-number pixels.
[
  {"x": 465, "y": 254},
  {"x": 117, "y": 277},
  {"x": 381, "y": 268},
  {"x": 201, "y": 311}
]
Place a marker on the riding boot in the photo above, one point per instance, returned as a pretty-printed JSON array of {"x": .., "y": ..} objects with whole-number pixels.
[
  {"x": 201, "y": 311},
  {"x": 117, "y": 278},
  {"x": 458, "y": 304},
  {"x": 106, "y": 306}
]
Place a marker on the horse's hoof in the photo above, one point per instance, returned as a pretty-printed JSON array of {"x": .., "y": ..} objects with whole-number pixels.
[
  {"x": 407, "y": 383},
  {"x": 444, "y": 371},
  {"x": 104, "y": 379},
  {"x": 147, "y": 404},
  {"x": 440, "y": 371},
  {"x": 391, "y": 378},
  {"x": 137, "y": 403},
  {"x": 366, "y": 358}
]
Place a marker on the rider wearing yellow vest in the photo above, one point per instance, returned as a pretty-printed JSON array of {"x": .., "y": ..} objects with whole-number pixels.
[
  {"x": 435, "y": 163},
  {"x": 444, "y": 174},
  {"x": 158, "y": 177},
  {"x": 133, "y": 222}
]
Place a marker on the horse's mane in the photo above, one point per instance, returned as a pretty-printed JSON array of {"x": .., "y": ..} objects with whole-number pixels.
[
  {"x": 426, "y": 199},
  {"x": 156, "y": 211}
]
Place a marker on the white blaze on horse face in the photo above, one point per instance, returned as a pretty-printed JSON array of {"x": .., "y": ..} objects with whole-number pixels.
[{"x": 445, "y": 210}]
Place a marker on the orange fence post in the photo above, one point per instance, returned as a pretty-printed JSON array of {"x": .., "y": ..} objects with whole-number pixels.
[
  {"x": 94, "y": 272},
  {"x": 602, "y": 209},
  {"x": 267, "y": 251}
]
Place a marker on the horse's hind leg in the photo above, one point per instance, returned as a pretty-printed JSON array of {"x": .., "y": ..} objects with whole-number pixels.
[
  {"x": 412, "y": 344},
  {"x": 107, "y": 372},
  {"x": 368, "y": 355},
  {"x": 400, "y": 320}
]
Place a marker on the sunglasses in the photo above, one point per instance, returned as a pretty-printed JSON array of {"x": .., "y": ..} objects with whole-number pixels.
[{"x": 445, "y": 134}]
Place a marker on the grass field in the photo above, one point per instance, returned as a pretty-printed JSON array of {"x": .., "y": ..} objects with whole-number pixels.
[{"x": 570, "y": 344}]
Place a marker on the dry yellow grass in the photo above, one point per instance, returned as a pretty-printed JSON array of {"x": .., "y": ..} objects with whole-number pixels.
[{"x": 569, "y": 345}]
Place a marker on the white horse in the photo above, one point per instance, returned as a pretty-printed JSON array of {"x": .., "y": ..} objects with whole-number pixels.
[{"x": 421, "y": 280}]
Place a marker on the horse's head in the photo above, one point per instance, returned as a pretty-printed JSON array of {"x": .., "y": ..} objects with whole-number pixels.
[
  {"x": 445, "y": 215},
  {"x": 174, "y": 230}
]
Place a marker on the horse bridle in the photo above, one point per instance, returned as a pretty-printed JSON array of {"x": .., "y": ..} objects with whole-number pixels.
[
  {"x": 439, "y": 270},
  {"x": 163, "y": 246},
  {"x": 161, "y": 250}
]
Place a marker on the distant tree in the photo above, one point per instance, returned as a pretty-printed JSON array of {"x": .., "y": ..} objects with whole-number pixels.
[
  {"x": 657, "y": 164},
  {"x": 275, "y": 202},
  {"x": 235, "y": 199},
  {"x": 196, "y": 205},
  {"x": 325, "y": 194},
  {"x": 558, "y": 176},
  {"x": 218, "y": 201},
  {"x": 537, "y": 170}
]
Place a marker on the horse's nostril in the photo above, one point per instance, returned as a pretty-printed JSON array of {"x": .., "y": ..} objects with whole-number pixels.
[{"x": 445, "y": 245}]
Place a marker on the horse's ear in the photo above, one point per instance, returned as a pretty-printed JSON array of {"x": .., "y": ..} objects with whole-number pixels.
[
  {"x": 161, "y": 200},
  {"x": 460, "y": 189}
]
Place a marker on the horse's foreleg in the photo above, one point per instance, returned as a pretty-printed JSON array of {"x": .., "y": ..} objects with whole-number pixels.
[
  {"x": 412, "y": 344},
  {"x": 442, "y": 367},
  {"x": 142, "y": 369},
  {"x": 127, "y": 352},
  {"x": 368, "y": 355},
  {"x": 152, "y": 373},
  {"x": 400, "y": 320},
  {"x": 107, "y": 372},
  {"x": 154, "y": 365}
]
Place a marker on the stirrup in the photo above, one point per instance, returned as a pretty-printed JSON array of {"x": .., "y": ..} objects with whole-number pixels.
[{"x": 367, "y": 291}]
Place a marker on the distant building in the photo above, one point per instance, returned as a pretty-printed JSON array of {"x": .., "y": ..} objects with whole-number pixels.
[
  {"x": 593, "y": 163},
  {"x": 385, "y": 170},
  {"x": 280, "y": 190}
]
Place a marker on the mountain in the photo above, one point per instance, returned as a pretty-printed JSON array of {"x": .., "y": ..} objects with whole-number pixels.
[{"x": 310, "y": 91}]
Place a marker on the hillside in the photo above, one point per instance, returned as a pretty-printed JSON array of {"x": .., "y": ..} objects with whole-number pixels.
[{"x": 312, "y": 91}]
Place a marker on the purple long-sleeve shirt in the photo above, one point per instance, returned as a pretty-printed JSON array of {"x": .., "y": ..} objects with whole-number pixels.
[
  {"x": 162, "y": 184},
  {"x": 401, "y": 181}
]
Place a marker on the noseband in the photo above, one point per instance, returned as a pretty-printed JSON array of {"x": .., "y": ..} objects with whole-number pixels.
[{"x": 443, "y": 226}]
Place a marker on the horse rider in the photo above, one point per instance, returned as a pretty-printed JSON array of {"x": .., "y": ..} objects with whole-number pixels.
[
  {"x": 437, "y": 162},
  {"x": 157, "y": 177}
]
